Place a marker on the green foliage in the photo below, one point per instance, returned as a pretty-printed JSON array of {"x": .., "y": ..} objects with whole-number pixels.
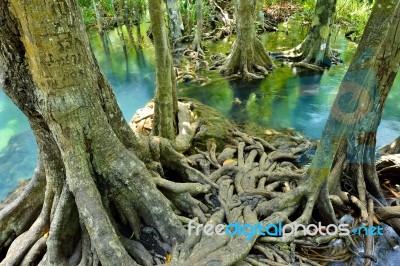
[
  {"x": 350, "y": 14},
  {"x": 188, "y": 13},
  {"x": 107, "y": 9},
  {"x": 353, "y": 14}
]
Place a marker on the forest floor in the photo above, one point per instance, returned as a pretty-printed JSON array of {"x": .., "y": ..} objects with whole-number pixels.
[{"x": 249, "y": 164}]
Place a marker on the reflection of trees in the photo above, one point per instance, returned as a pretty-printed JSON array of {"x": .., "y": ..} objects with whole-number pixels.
[
  {"x": 105, "y": 41},
  {"x": 241, "y": 94},
  {"x": 120, "y": 32},
  {"x": 307, "y": 101}
]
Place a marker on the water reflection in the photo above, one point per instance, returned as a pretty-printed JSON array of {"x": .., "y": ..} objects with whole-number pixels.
[
  {"x": 283, "y": 99},
  {"x": 17, "y": 146}
]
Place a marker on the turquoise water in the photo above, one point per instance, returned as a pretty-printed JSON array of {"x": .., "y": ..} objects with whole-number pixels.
[{"x": 283, "y": 99}]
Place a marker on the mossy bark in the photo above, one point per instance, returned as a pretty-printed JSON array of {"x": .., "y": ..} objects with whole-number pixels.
[
  {"x": 89, "y": 158},
  {"x": 165, "y": 100},
  {"x": 349, "y": 137},
  {"x": 315, "y": 49},
  {"x": 248, "y": 58}
]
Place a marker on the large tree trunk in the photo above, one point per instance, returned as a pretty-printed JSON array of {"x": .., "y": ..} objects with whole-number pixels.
[
  {"x": 248, "y": 57},
  {"x": 91, "y": 164},
  {"x": 165, "y": 100},
  {"x": 349, "y": 137},
  {"x": 315, "y": 49}
]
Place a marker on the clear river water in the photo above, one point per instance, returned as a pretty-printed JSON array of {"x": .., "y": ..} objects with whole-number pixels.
[{"x": 283, "y": 99}]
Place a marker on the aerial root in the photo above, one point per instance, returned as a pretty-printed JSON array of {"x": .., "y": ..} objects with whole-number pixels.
[
  {"x": 307, "y": 56},
  {"x": 250, "y": 64},
  {"x": 24, "y": 242}
]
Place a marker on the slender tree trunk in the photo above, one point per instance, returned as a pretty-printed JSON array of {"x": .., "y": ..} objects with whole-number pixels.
[
  {"x": 248, "y": 57},
  {"x": 96, "y": 7},
  {"x": 116, "y": 20},
  {"x": 165, "y": 100},
  {"x": 196, "y": 45},
  {"x": 126, "y": 13},
  {"x": 137, "y": 11},
  {"x": 175, "y": 20}
]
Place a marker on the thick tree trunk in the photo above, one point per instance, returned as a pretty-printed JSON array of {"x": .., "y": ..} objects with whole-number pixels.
[
  {"x": 315, "y": 49},
  {"x": 90, "y": 161},
  {"x": 349, "y": 137},
  {"x": 175, "y": 20},
  {"x": 165, "y": 100},
  {"x": 248, "y": 57}
]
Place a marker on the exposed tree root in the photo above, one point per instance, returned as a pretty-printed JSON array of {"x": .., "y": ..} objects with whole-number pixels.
[
  {"x": 249, "y": 62},
  {"x": 310, "y": 54},
  {"x": 250, "y": 181}
]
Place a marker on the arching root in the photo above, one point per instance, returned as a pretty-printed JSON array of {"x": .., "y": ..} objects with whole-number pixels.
[
  {"x": 309, "y": 55},
  {"x": 251, "y": 182}
]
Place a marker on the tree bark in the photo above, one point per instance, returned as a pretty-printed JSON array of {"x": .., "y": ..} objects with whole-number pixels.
[
  {"x": 248, "y": 57},
  {"x": 196, "y": 45},
  {"x": 315, "y": 49},
  {"x": 349, "y": 137},
  {"x": 89, "y": 158},
  {"x": 165, "y": 100},
  {"x": 175, "y": 20}
]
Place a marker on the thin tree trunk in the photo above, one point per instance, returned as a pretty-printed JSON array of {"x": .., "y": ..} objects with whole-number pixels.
[
  {"x": 96, "y": 7},
  {"x": 196, "y": 45},
  {"x": 165, "y": 100},
  {"x": 137, "y": 12},
  {"x": 175, "y": 18}
]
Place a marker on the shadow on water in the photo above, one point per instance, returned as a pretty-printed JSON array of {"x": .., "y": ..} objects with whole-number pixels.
[{"x": 242, "y": 93}]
